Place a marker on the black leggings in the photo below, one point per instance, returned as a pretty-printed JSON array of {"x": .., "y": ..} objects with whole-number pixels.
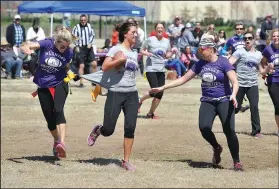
[
  {"x": 225, "y": 111},
  {"x": 116, "y": 101},
  {"x": 53, "y": 107},
  {"x": 156, "y": 79},
  {"x": 273, "y": 90},
  {"x": 252, "y": 94}
]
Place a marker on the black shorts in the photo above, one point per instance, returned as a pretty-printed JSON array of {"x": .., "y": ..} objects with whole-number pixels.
[{"x": 85, "y": 55}]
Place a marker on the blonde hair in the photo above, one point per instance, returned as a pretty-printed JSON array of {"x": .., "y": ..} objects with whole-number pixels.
[
  {"x": 65, "y": 35},
  {"x": 268, "y": 41}
]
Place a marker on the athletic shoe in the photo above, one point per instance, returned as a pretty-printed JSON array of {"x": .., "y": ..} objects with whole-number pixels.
[
  {"x": 61, "y": 150},
  {"x": 55, "y": 153},
  {"x": 92, "y": 137},
  {"x": 243, "y": 109},
  {"x": 258, "y": 135},
  {"x": 152, "y": 116},
  {"x": 128, "y": 166},
  {"x": 217, "y": 155},
  {"x": 238, "y": 166}
]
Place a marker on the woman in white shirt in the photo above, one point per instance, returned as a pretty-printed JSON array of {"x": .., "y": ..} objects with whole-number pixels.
[{"x": 35, "y": 33}]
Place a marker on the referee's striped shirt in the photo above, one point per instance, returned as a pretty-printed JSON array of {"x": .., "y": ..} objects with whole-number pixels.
[{"x": 85, "y": 34}]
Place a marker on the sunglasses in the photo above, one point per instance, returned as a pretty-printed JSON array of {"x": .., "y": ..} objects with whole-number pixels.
[
  {"x": 248, "y": 38},
  {"x": 239, "y": 28},
  {"x": 201, "y": 49}
]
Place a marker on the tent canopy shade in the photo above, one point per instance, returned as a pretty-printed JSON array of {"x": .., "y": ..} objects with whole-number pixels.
[{"x": 101, "y": 8}]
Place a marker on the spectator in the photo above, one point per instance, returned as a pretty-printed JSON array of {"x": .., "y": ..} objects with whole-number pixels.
[
  {"x": 187, "y": 38},
  {"x": 266, "y": 27},
  {"x": 236, "y": 41},
  {"x": 175, "y": 63},
  {"x": 35, "y": 33},
  {"x": 115, "y": 33},
  {"x": 260, "y": 43},
  {"x": 84, "y": 48},
  {"x": 174, "y": 31},
  {"x": 222, "y": 39},
  {"x": 251, "y": 30},
  {"x": 67, "y": 21},
  {"x": 11, "y": 62},
  {"x": 15, "y": 33},
  {"x": 197, "y": 32},
  {"x": 188, "y": 58}
]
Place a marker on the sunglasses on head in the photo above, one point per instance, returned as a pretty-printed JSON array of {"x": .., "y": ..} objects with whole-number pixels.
[
  {"x": 248, "y": 38},
  {"x": 202, "y": 48},
  {"x": 239, "y": 28}
]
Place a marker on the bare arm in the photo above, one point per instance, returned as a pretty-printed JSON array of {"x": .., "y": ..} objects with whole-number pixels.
[
  {"x": 144, "y": 51},
  {"x": 233, "y": 78},
  {"x": 233, "y": 60},
  {"x": 27, "y": 48},
  {"x": 184, "y": 79},
  {"x": 263, "y": 67},
  {"x": 115, "y": 62},
  {"x": 169, "y": 54}
]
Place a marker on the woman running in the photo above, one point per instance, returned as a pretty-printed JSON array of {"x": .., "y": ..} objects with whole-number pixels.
[
  {"x": 118, "y": 75},
  {"x": 271, "y": 61},
  {"x": 247, "y": 62},
  {"x": 55, "y": 55},
  {"x": 157, "y": 49},
  {"x": 217, "y": 98}
]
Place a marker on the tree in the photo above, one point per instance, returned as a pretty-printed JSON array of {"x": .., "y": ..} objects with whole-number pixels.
[
  {"x": 210, "y": 14},
  {"x": 186, "y": 14}
]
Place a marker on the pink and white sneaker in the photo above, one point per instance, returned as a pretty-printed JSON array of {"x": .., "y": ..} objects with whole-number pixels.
[
  {"x": 61, "y": 150},
  {"x": 128, "y": 166},
  {"x": 92, "y": 137}
]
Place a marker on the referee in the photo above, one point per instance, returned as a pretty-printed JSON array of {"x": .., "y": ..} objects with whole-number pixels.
[{"x": 84, "y": 50}]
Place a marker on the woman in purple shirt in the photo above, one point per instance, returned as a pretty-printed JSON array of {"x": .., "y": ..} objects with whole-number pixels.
[
  {"x": 55, "y": 55},
  {"x": 217, "y": 98},
  {"x": 271, "y": 60}
]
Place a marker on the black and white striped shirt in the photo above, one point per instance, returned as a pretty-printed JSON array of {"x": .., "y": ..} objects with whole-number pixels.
[{"x": 85, "y": 34}]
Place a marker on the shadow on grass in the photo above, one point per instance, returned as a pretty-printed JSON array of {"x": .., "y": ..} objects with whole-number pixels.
[
  {"x": 101, "y": 161},
  {"x": 46, "y": 159},
  {"x": 197, "y": 164},
  {"x": 249, "y": 133}
]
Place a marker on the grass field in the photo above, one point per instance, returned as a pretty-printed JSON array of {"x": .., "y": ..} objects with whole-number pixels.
[{"x": 168, "y": 152}]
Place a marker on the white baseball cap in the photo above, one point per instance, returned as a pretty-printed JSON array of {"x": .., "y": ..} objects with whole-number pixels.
[
  {"x": 17, "y": 17},
  {"x": 188, "y": 25}
]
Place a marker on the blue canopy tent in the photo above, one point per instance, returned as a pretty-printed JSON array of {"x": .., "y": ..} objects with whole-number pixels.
[{"x": 101, "y": 8}]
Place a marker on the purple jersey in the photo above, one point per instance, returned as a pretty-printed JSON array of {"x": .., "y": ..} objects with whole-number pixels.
[
  {"x": 51, "y": 70},
  {"x": 215, "y": 82},
  {"x": 272, "y": 56},
  {"x": 235, "y": 43}
]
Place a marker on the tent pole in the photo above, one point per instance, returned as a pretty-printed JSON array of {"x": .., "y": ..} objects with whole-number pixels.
[
  {"x": 51, "y": 24},
  {"x": 145, "y": 35},
  {"x": 106, "y": 28}
]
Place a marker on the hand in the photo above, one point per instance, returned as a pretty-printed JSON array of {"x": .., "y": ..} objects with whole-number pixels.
[
  {"x": 120, "y": 57},
  {"x": 271, "y": 68},
  {"x": 174, "y": 50},
  {"x": 89, "y": 46},
  {"x": 149, "y": 54},
  {"x": 233, "y": 98},
  {"x": 76, "y": 78},
  {"x": 26, "y": 50},
  {"x": 156, "y": 90}
]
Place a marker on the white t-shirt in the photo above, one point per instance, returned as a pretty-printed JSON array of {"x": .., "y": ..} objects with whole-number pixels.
[{"x": 31, "y": 34}]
